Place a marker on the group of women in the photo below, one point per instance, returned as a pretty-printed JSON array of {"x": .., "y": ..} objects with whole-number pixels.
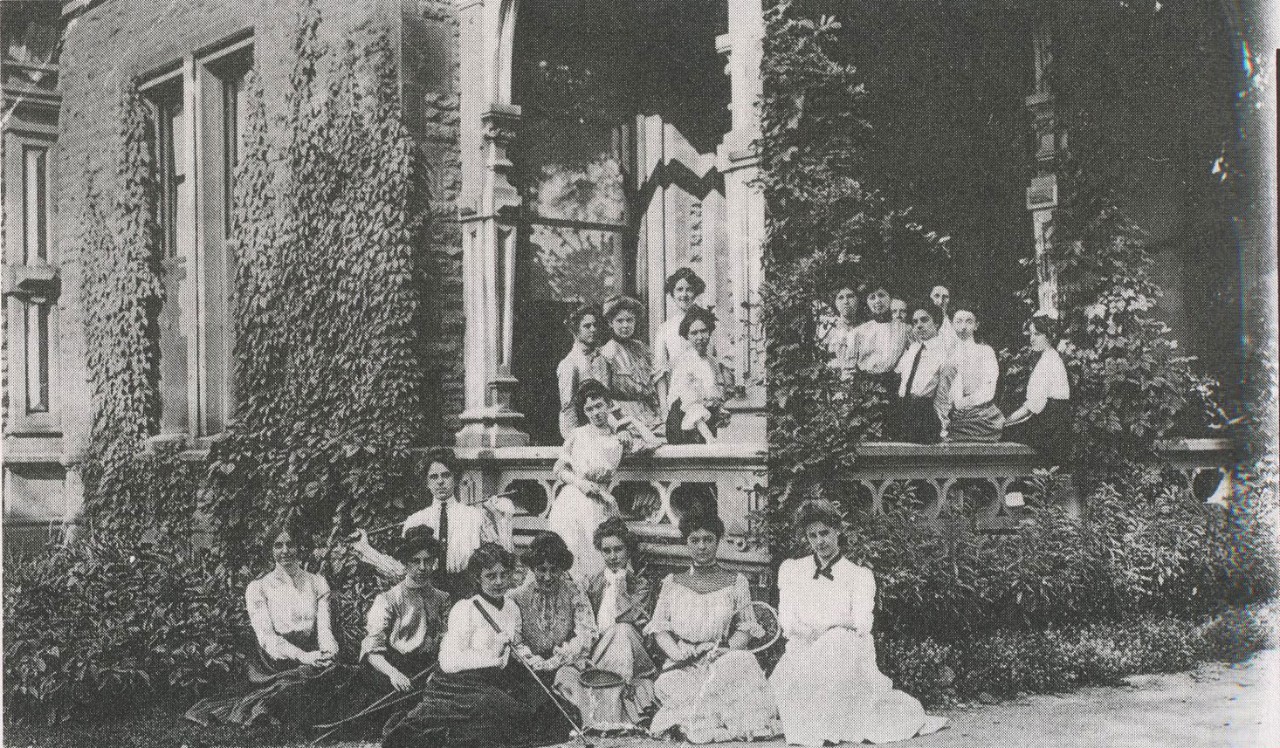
[
  {"x": 528, "y": 664},
  {"x": 928, "y": 352},
  {"x": 676, "y": 392}
]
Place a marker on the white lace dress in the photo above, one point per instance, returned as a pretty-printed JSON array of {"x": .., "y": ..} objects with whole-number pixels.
[{"x": 593, "y": 455}]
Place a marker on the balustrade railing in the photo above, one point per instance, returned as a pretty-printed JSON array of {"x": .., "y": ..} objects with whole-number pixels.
[{"x": 651, "y": 488}]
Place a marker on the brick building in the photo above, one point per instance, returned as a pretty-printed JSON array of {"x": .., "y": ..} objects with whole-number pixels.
[{"x": 548, "y": 186}]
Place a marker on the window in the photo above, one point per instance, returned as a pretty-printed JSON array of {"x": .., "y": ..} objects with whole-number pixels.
[
  {"x": 32, "y": 284},
  {"x": 200, "y": 122}
]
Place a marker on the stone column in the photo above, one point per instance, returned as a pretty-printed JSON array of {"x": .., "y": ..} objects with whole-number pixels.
[
  {"x": 489, "y": 210},
  {"x": 1042, "y": 193},
  {"x": 739, "y": 161}
]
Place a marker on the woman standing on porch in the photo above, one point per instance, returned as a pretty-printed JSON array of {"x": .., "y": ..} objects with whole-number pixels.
[
  {"x": 588, "y": 460},
  {"x": 684, "y": 287},
  {"x": 827, "y": 684}
]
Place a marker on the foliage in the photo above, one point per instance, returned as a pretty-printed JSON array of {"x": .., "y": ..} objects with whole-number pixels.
[
  {"x": 122, "y": 296},
  {"x": 1007, "y": 664},
  {"x": 103, "y": 623},
  {"x": 328, "y": 300},
  {"x": 825, "y": 229},
  {"x": 1150, "y": 548}
]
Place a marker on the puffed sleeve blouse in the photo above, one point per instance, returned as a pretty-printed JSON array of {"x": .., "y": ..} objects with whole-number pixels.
[
  {"x": 1048, "y": 381},
  {"x": 698, "y": 617},
  {"x": 470, "y": 643},
  {"x": 278, "y": 606},
  {"x": 809, "y": 603}
]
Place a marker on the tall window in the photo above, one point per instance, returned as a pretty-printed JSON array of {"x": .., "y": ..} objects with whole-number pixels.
[
  {"x": 200, "y": 121},
  {"x": 35, "y": 178}
]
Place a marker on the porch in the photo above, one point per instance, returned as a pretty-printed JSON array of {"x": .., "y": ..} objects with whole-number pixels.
[{"x": 650, "y": 487}]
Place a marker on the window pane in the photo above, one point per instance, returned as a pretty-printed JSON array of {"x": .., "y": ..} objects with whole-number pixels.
[
  {"x": 35, "y": 205},
  {"x": 37, "y": 374},
  {"x": 173, "y": 170}
]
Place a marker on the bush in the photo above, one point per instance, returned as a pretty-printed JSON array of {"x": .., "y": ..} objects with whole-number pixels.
[
  {"x": 1150, "y": 548},
  {"x": 101, "y": 623},
  {"x": 1009, "y": 663}
]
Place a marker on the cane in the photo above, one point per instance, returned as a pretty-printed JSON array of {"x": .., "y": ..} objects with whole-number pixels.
[
  {"x": 381, "y": 703},
  {"x": 577, "y": 731}
]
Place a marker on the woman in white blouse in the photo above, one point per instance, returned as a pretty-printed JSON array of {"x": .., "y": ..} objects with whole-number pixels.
[
  {"x": 698, "y": 384},
  {"x": 973, "y": 375},
  {"x": 827, "y": 685},
  {"x": 1044, "y": 420},
  {"x": 482, "y": 697},
  {"x": 293, "y": 669},
  {"x": 684, "y": 287}
]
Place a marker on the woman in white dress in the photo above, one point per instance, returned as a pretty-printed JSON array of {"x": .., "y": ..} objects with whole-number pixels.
[
  {"x": 839, "y": 339},
  {"x": 628, "y": 366},
  {"x": 588, "y": 460},
  {"x": 684, "y": 287},
  {"x": 827, "y": 685},
  {"x": 710, "y": 690}
]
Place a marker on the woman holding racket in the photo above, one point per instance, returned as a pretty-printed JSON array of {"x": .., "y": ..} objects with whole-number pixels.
[
  {"x": 711, "y": 690},
  {"x": 828, "y": 687}
]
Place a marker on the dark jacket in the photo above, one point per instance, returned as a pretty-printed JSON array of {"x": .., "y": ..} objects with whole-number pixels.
[{"x": 635, "y": 603}]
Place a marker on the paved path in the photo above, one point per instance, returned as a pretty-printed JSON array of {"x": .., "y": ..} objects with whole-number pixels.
[{"x": 1232, "y": 706}]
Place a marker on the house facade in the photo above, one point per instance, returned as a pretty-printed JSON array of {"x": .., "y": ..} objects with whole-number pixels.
[{"x": 576, "y": 150}]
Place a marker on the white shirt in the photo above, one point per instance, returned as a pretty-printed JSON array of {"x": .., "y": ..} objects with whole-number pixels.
[
  {"x": 277, "y": 606},
  {"x": 977, "y": 373},
  {"x": 931, "y": 361},
  {"x": 613, "y": 584},
  {"x": 877, "y": 346},
  {"x": 469, "y": 526},
  {"x": 470, "y": 643},
  {"x": 693, "y": 382},
  {"x": 1048, "y": 381},
  {"x": 807, "y": 606}
]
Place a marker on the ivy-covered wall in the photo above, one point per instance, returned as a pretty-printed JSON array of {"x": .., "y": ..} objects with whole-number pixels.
[{"x": 119, "y": 41}]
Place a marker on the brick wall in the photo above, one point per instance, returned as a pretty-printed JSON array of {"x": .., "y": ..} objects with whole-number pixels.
[{"x": 117, "y": 40}]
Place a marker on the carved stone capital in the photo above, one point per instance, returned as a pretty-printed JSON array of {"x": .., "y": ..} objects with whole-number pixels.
[{"x": 501, "y": 124}]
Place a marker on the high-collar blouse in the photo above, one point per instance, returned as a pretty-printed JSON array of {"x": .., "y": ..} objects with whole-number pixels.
[
  {"x": 279, "y": 605},
  {"x": 809, "y": 603},
  {"x": 552, "y": 619},
  {"x": 406, "y": 618}
]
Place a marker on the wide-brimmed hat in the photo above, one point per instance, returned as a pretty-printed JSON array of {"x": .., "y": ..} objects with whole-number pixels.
[{"x": 622, "y": 302}]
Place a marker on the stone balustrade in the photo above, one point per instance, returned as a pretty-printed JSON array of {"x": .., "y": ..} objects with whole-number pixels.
[{"x": 650, "y": 487}]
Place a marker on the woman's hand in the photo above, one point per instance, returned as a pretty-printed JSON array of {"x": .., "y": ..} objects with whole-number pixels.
[
  {"x": 316, "y": 659},
  {"x": 399, "y": 681}
]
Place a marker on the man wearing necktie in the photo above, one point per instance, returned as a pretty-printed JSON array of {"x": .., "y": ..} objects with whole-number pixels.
[{"x": 919, "y": 411}]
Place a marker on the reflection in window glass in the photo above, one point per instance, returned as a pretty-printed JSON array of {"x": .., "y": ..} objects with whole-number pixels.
[
  {"x": 175, "y": 187},
  {"x": 575, "y": 264}
]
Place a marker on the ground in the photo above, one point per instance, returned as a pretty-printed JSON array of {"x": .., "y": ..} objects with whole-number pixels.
[{"x": 1233, "y": 706}]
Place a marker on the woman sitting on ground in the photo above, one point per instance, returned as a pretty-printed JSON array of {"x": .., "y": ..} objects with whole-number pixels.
[
  {"x": 405, "y": 625},
  {"x": 828, "y": 687},
  {"x": 292, "y": 669},
  {"x": 557, "y": 624},
  {"x": 482, "y": 697},
  {"x": 710, "y": 690},
  {"x": 623, "y": 603},
  {"x": 698, "y": 385},
  {"x": 1044, "y": 420},
  {"x": 588, "y": 460}
]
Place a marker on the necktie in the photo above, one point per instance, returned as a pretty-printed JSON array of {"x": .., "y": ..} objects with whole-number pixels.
[
  {"x": 443, "y": 534},
  {"x": 820, "y": 571},
  {"x": 915, "y": 366}
]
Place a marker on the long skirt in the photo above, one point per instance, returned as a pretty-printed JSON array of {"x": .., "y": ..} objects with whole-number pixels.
[
  {"x": 831, "y": 690},
  {"x": 283, "y": 691},
  {"x": 716, "y": 702},
  {"x": 486, "y": 708},
  {"x": 370, "y": 691},
  {"x": 574, "y": 516},
  {"x": 677, "y": 435},
  {"x": 981, "y": 423},
  {"x": 619, "y": 650},
  {"x": 1048, "y": 432}
]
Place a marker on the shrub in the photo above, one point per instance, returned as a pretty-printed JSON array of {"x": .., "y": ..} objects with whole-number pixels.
[{"x": 102, "y": 623}]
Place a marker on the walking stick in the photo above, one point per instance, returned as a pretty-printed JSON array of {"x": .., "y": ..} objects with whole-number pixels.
[
  {"x": 577, "y": 731},
  {"x": 381, "y": 703}
]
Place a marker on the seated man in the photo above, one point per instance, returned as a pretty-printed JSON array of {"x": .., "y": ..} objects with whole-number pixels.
[
  {"x": 918, "y": 412},
  {"x": 972, "y": 373}
]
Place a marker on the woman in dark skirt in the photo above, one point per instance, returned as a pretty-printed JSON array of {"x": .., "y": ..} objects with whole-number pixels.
[
  {"x": 482, "y": 697},
  {"x": 1044, "y": 420},
  {"x": 292, "y": 671}
]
